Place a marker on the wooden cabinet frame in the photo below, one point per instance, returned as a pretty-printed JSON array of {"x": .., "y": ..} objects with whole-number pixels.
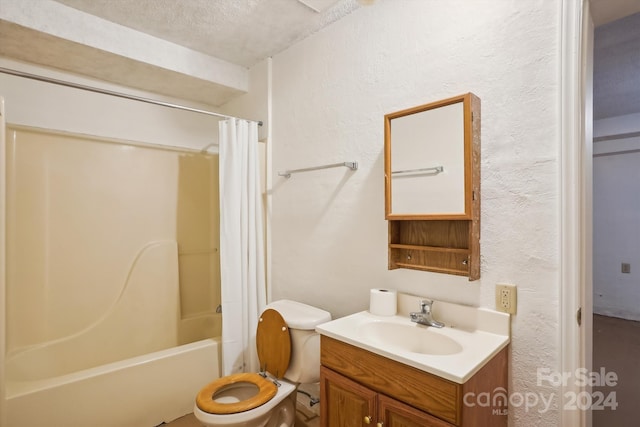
[
  {"x": 430, "y": 395},
  {"x": 351, "y": 404},
  {"x": 442, "y": 243}
]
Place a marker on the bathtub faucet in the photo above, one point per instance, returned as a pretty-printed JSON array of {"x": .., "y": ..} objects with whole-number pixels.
[{"x": 425, "y": 315}]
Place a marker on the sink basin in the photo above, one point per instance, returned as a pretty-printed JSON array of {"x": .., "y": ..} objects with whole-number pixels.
[
  {"x": 413, "y": 338},
  {"x": 470, "y": 338}
]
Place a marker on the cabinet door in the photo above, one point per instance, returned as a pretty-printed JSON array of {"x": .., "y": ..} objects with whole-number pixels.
[
  {"x": 345, "y": 403},
  {"x": 393, "y": 413}
]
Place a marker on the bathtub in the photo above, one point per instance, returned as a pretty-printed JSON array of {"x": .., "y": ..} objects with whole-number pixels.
[
  {"x": 100, "y": 302},
  {"x": 142, "y": 391}
]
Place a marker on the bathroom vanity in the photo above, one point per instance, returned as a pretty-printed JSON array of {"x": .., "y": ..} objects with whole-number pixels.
[
  {"x": 388, "y": 371},
  {"x": 359, "y": 387}
]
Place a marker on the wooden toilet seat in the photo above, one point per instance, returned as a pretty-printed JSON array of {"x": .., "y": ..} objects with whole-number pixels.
[
  {"x": 205, "y": 399},
  {"x": 273, "y": 343}
]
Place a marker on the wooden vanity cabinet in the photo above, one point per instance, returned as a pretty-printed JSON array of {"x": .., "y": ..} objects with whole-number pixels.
[
  {"x": 393, "y": 413},
  {"x": 359, "y": 388},
  {"x": 347, "y": 403}
]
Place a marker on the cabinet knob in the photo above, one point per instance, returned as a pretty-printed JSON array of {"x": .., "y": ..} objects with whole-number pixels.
[
  {"x": 367, "y": 420},
  {"x": 380, "y": 425}
]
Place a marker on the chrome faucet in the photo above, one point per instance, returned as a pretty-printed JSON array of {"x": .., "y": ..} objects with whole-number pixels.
[{"x": 425, "y": 316}]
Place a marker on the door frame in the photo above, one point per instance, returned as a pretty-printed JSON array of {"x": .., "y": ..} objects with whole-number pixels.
[
  {"x": 3, "y": 334},
  {"x": 576, "y": 230}
]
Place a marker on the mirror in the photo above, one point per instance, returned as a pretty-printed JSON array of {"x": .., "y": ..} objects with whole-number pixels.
[{"x": 428, "y": 160}]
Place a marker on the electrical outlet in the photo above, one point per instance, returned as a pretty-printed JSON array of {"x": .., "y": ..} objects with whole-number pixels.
[{"x": 506, "y": 298}]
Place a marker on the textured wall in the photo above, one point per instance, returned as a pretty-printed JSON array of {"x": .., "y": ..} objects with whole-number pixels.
[
  {"x": 616, "y": 203},
  {"x": 330, "y": 93},
  {"x": 616, "y": 226}
]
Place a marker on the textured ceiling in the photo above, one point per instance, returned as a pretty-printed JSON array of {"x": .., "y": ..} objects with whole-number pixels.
[
  {"x": 616, "y": 68},
  {"x": 605, "y": 11},
  {"x": 242, "y": 32}
]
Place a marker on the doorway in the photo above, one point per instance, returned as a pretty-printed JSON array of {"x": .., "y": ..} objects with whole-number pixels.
[{"x": 616, "y": 213}]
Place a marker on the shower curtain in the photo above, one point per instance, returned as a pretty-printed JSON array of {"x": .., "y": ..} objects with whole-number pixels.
[{"x": 242, "y": 267}]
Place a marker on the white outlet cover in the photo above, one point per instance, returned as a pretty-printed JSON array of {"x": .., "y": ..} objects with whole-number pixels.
[{"x": 506, "y": 298}]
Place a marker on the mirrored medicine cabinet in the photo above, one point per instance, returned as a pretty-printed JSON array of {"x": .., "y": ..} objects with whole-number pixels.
[{"x": 432, "y": 186}]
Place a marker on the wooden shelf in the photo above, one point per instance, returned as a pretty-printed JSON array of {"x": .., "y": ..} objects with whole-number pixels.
[
  {"x": 440, "y": 246},
  {"x": 428, "y": 248},
  {"x": 462, "y": 272}
]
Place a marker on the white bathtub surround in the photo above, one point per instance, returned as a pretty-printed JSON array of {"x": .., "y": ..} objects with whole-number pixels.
[
  {"x": 93, "y": 263},
  {"x": 149, "y": 326},
  {"x": 242, "y": 265},
  {"x": 146, "y": 389}
]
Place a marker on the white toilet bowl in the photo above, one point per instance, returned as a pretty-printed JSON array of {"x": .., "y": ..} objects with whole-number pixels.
[
  {"x": 289, "y": 350},
  {"x": 278, "y": 411}
]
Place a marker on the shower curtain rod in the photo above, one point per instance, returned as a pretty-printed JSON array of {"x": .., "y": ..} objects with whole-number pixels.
[{"x": 117, "y": 94}]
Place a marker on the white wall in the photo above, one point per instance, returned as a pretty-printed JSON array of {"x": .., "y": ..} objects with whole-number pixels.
[
  {"x": 254, "y": 104},
  {"x": 616, "y": 222},
  {"x": 330, "y": 93},
  {"x": 39, "y": 104}
]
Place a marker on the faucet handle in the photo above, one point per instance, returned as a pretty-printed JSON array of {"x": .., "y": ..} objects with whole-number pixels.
[{"x": 425, "y": 305}]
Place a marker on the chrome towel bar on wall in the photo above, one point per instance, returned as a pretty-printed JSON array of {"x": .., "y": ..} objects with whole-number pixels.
[
  {"x": 351, "y": 165},
  {"x": 432, "y": 170}
]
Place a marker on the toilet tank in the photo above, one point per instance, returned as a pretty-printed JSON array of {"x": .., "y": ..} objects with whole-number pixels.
[{"x": 302, "y": 319}]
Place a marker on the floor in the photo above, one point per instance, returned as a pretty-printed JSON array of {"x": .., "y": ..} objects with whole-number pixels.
[
  {"x": 616, "y": 348},
  {"x": 306, "y": 415}
]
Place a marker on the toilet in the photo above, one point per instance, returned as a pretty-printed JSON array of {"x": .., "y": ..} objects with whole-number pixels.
[{"x": 289, "y": 353}]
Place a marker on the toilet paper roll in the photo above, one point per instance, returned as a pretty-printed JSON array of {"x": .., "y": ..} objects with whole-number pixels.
[{"x": 383, "y": 302}]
